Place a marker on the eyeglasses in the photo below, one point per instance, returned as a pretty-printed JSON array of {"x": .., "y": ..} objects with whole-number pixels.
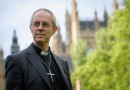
[{"x": 44, "y": 24}]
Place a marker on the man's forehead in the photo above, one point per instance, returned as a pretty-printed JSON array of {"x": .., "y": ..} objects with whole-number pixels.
[
  {"x": 42, "y": 16},
  {"x": 42, "y": 12}
]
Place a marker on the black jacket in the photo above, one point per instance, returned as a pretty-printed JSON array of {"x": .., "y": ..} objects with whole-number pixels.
[{"x": 24, "y": 71}]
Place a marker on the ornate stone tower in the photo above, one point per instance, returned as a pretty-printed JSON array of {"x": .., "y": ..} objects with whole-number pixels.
[
  {"x": 15, "y": 46},
  {"x": 115, "y": 6},
  {"x": 96, "y": 22},
  {"x": 2, "y": 76},
  {"x": 68, "y": 28},
  {"x": 68, "y": 32},
  {"x": 75, "y": 22},
  {"x": 57, "y": 44},
  {"x": 1, "y": 54},
  {"x": 105, "y": 17}
]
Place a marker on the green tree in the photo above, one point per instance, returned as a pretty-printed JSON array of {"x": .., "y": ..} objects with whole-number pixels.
[
  {"x": 95, "y": 74},
  {"x": 78, "y": 52},
  {"x": 108, "y": 66},
  {"x": 120, "y": 60}
]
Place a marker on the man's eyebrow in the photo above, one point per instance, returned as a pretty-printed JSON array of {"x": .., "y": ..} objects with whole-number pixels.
[{"x": 45, "y": 22}]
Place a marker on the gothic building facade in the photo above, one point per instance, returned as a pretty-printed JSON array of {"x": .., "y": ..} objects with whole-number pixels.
[{"x": 76, "y": 28}]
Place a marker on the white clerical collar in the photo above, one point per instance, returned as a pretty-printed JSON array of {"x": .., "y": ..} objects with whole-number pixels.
[{"x": 44, "y": 53}]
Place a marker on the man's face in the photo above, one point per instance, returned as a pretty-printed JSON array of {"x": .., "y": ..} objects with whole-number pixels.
[{"x": 42, "y": 28}]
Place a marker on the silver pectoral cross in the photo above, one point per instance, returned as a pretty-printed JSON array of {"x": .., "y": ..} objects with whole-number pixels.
[{"x": 50, "y": 75}]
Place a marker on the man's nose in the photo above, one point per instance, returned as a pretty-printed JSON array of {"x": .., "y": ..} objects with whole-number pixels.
[{"x": 40, "y": 26}]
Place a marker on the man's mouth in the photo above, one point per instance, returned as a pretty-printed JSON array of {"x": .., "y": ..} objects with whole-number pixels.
[{"x": 40, "y": 34}]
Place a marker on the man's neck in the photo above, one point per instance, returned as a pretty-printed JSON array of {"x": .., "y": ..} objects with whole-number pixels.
[{"x": 44, "y": 47}]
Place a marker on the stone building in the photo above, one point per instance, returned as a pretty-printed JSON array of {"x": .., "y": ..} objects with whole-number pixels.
[
  {"x": 14, "y": 46},
  {"x": 76, "y": 28},
  {"x": 2, "y": 77}
]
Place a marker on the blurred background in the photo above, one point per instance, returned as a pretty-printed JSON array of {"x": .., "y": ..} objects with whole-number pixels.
[{"x": 93, "y": 36}]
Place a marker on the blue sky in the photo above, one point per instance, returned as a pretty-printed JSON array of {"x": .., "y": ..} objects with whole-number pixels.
[{"x": 17, "y": 13}]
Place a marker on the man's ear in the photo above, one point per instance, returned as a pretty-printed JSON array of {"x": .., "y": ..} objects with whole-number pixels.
[
  {"x": 30, "y": 28},
  {"x": 55, "y": 29}
]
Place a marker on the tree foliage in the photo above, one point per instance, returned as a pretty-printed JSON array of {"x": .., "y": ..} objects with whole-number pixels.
[
  {"x": 78, "y": 52},
  {"x": 108, "y": 66},
  {"x": 78, "y": 55}
]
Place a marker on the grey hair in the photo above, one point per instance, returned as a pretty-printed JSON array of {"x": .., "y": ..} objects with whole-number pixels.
[{"x": 54, "y": 22}]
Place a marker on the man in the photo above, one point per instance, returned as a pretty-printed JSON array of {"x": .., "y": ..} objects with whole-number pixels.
[{"x": 36, "y": 67}]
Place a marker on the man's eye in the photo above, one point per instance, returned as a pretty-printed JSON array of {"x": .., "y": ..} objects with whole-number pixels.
[
  {"x": 35, "y": 24},
  {"x": 45, "y": 24}
]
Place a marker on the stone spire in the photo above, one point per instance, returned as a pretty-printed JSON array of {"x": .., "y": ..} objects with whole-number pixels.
[
  {"x": 56, "y": 43},
  {"x": 68, "y": 28},
  {"x": 74, "y": 22},
  {"x": 115, "y": 6},
  {"x": 1, "y": 54},
  {"x": 105, "y": 17},
  {"x": 15, "y": 46},
  {"x": 96, "y": 22}
]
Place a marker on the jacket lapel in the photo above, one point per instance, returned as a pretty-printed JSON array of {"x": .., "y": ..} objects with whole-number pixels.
[
  {"x": 37, "y": 64},
  {"x": 62, "y": 71}
]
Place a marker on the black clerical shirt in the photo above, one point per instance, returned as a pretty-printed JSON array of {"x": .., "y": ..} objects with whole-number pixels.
[{"x": 57, "y": 83}]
